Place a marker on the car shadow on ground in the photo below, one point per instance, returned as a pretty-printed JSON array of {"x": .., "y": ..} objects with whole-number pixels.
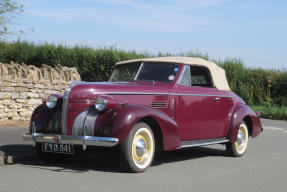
[
  {"x": 17, "y": 150},
  {"x": 162, "y": 157},
  {"x": 110, "y": 161}
]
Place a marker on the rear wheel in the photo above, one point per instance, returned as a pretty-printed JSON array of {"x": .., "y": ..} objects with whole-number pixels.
[
  {"x": 137, "y": 151},
  {"x": 238, "y": 148},
  {"x": 50, "y": 158}
]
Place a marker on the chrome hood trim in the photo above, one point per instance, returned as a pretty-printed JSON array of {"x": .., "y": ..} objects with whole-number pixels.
[{"x": 65, "y": 106}]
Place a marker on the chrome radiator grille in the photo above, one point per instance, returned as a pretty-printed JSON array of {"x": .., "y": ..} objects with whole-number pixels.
[
  {"x": 64, "y": 112},
  {"x": 65, "y": 106}
]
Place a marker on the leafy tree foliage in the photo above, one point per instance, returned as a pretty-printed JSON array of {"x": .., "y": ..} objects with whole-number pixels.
[{"x": 9, "y": 10}]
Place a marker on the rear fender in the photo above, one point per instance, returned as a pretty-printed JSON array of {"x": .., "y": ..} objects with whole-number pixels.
[
  {"x": 126, "y": 117},
  {"x": 240, "y": 113}
]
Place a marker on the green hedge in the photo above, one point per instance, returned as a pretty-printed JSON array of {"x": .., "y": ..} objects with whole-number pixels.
[
  {"x": 255, "y": 85},
  {"x": 279, "y": 113}
]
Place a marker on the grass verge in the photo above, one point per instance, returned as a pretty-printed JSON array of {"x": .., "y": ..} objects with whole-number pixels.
[{"x": 276, "y": 113}]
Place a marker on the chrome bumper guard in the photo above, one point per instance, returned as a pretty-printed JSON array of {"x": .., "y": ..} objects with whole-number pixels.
[{"x": 69, "y": 139}]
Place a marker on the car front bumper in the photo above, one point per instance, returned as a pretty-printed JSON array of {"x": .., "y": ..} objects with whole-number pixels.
[{"x": 69, "y": 139}]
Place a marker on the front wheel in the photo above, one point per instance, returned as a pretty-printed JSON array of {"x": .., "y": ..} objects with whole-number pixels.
[
  {"x": 137, "y": 151},
  {"x": 238, "y": 148}
]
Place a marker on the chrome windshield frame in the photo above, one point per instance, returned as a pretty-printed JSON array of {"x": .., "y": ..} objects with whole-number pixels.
[{"x": 138, "y": 71}]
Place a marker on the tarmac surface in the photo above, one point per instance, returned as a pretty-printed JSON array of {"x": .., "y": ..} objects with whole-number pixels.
[
  {"x": 12, "y": 147},
  {"x": 207, "y": 168},
  {"x": 14, "y": 150}
]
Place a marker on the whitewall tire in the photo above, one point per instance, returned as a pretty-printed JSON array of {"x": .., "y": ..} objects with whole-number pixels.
[
  {"x": 238, "y": 148},
  {"x": 137, "y": 151}
]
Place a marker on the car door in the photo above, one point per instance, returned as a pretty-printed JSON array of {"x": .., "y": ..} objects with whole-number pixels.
[{"x": 197, "y": 105}]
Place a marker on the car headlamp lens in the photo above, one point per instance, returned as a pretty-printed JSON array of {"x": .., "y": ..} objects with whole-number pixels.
[
  {"x": 101, "y": 103},
  {"x": 51, "y": 101}
]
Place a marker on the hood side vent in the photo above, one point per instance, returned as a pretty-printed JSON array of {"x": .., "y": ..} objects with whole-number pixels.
[{"x": 159, "y": 104}]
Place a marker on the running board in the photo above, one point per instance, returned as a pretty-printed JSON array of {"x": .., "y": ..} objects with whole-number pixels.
[{"x": 195, "y": 143}]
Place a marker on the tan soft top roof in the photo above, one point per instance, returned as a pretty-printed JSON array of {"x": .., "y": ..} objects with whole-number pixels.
[{"x": 217, "y": 73}]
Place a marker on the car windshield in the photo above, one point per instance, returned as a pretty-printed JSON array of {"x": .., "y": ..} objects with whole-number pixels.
[{"x": 158, "y": 72}]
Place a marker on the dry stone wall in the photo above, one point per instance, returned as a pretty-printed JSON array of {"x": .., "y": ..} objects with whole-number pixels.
[{"x": 23, "y": 87}]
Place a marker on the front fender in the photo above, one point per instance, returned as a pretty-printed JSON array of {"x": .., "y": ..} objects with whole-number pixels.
[
  {"x": 40, "y": 116},
  {"x": 239, "y": 113},
  {"x": 126, "y": 117}
]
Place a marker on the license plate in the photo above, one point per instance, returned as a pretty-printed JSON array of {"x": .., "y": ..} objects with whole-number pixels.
[{"x": 58, "y": 148}]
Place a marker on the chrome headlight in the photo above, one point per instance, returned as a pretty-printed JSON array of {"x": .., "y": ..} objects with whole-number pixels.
[
  {"x": 51, "y": 101},
  {"x": 101, "y": 103}
]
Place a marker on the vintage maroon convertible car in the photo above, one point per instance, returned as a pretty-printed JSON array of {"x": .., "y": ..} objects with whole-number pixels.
[{"x": 148, "y": 104}]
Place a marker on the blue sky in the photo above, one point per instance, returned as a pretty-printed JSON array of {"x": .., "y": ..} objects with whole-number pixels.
[{"x": 254, "y": 30}]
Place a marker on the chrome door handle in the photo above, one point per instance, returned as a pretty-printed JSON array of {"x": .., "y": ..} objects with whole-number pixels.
[{"x": 216, "y": 99}]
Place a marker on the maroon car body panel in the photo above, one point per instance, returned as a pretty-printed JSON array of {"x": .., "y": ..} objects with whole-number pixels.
[
  {"x": 194, "y": 104},
  {"x": 84, "y": 95},
  {"x": 239, "y": 113},
  {"x": 41, "y": 116},
  {"x": 227, "y": 103},
  {"x": 127, "y": 117}
]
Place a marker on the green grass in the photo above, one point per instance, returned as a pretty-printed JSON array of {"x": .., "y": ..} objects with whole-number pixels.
[{"x": 277, "y": 113}]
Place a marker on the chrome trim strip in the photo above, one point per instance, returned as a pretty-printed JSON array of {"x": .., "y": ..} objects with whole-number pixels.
[
  {"x": 194, "y": 143},
  {"x": 139, "y": 93},
  {"x": 202, "y": 95},
  {"x": 33, "y": 137},
  {"x": 198, "y": 95},
  {"x": 90, "y": 122},
  {"x": 68, "y": 139},
  {"x": 129, "y": 93},
  {"x": 172, "y": 106},
  {"x": 138, "y": 71},
  {"x": 77, "y": 129},
  {"x": 65, "y": 110},
  {"x": 64, "y": 116},
  {"x": 226, "y": 96},
  {"x": 84, "y": 135}
]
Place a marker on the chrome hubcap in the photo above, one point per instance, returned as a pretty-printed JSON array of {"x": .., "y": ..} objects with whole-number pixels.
[
  {"x": 140, "y": 148},
  {"x": 240, "y": 138}
]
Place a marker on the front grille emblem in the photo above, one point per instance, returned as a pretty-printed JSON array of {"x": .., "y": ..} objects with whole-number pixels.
[{"x": 57, "y": 138}]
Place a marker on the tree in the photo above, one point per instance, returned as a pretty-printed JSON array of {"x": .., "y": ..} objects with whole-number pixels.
[{"x": 9, "y": 10}]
